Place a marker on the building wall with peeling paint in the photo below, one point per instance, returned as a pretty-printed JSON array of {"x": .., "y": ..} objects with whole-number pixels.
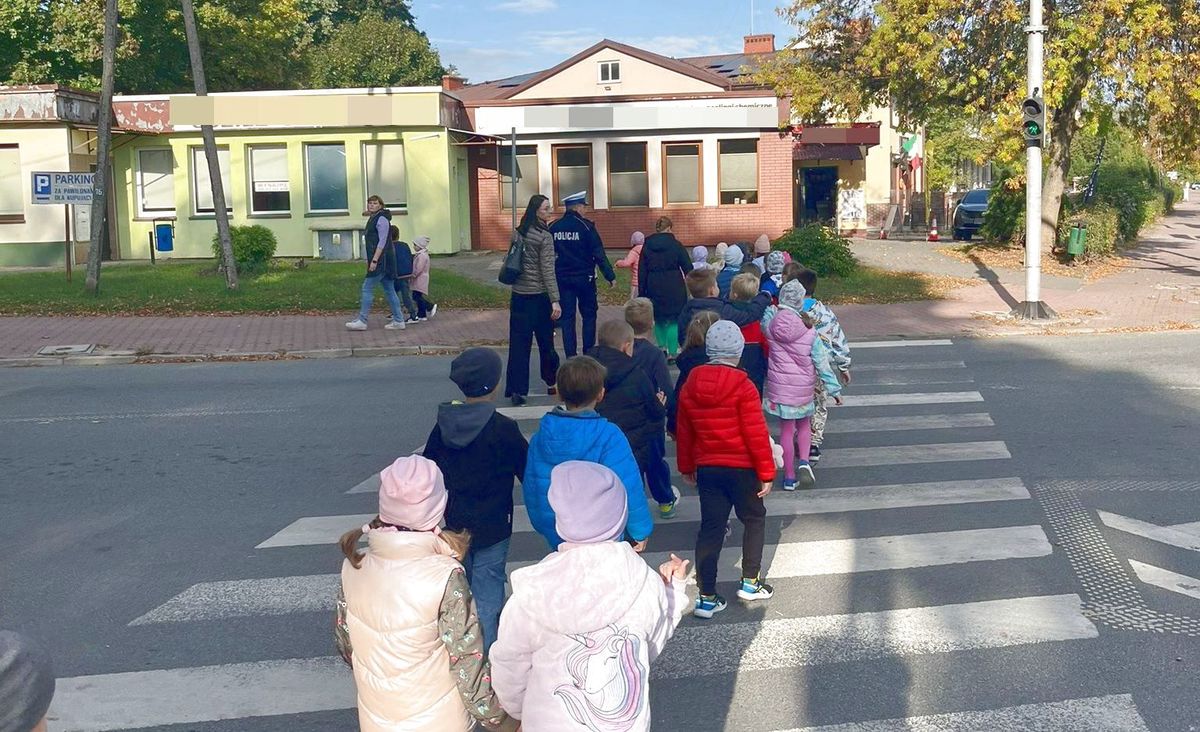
[{"x": 37, "y": 240}]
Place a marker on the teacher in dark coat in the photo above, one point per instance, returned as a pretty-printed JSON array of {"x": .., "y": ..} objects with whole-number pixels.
[{"x": 661, "y": 269}]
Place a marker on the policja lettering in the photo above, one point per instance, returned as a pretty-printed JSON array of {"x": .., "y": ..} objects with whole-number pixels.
[{"x": 566, "y": 236}]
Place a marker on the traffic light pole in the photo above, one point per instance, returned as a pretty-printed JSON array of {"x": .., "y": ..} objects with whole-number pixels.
[{"x": 1033, "y": 308}]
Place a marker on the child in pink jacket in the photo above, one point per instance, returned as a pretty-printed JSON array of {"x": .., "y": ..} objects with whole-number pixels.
[
  {"x": 582, "y": 627},
  {"x": 636, "y": 242},
  {"x": 426, "y": 308},
  {"x": 797, "y": 357}
]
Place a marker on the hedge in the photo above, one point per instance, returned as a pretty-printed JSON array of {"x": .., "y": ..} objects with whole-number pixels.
[{"x": 819, "y": 248}]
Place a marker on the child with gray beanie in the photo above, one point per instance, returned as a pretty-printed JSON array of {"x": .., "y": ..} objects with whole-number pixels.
[
  {"x": 583, "y": 625},
  {"x": 724, "y": 449},
  {"x": 26, "y": 684}
]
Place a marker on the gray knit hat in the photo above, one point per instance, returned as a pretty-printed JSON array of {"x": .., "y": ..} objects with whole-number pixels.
[
  {"x": 775, "y": 262},
  {"x": 724, "y": 341},
  {"x": 26, "y": 682}
]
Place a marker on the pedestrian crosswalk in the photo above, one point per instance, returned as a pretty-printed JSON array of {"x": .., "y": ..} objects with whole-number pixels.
[{"x": 920, "y": 545}]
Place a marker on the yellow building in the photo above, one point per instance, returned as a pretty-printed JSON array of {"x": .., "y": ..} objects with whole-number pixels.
[{"x": 301, "y": 163}]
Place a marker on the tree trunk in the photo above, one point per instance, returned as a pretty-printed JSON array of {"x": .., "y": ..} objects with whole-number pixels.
[
  {"x": 100, "y": 190},
  {"x": 210, "y": 148},
  {"x": 1063, "y": 126}
]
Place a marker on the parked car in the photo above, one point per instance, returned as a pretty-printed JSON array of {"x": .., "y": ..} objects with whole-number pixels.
[{"x": 968, "y": 214}]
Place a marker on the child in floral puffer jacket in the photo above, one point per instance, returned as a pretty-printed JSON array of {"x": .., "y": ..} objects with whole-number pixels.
[
  {"x": 583, "y": 625},
  {"x": 406, "y": 620},
  {"x": 796, "y": 358}
]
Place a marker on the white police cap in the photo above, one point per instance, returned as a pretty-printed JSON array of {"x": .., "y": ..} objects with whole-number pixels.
[{"x": 575, "y": 199}]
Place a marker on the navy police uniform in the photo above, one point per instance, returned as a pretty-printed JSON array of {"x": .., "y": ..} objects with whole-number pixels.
[{"x": 579, "y": 251}]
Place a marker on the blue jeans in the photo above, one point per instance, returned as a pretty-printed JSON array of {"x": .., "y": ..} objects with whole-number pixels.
[
  {"x": 486, "y": 575},
  {"x": 370, "y": 282}
]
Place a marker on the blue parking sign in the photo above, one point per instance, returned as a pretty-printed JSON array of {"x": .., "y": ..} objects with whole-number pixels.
[{"x": 41, "y": 185}]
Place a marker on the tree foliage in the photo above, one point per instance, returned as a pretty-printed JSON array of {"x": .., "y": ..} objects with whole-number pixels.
[
  {"x": 1134, "y": 58},
  {"x": 248, "y": 44},
  {"x": 375, "y": 51}
]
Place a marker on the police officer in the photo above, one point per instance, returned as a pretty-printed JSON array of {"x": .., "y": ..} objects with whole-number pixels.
[{"x": 580, "y": 251}]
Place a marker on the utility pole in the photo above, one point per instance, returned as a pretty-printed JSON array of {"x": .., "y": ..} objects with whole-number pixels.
[
  {"x": 1032, "y": 308},
  {"x": 210, "y": 148},
  {"x": 100, "y": 192}
]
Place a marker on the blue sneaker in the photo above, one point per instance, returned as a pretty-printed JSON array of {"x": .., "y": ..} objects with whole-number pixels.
[
  {"x": 708, "y": 606},
  {"x": 789, "y": 484},
  {"x": 755, "y": 589}
]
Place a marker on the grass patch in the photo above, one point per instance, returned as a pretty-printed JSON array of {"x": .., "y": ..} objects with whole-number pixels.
[{"x": 187, "y": 288}]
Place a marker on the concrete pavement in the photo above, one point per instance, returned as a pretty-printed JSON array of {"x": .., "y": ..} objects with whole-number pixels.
[{"x": 1159, "y": 289}]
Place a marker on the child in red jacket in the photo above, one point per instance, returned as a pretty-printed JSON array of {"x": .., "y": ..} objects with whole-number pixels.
[{"x": 724, "y": 449}]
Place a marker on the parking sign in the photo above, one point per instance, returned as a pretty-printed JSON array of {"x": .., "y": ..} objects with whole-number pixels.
[{"x": 60, "y": 188}]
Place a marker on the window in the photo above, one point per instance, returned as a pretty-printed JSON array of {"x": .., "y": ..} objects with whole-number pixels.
[
  {"x": 628, "y": 184},
  {"x": 202, "y": 185},
  {"x": 156, "y": 182},
  {"x": 610, "y": 72},
  {"x": 325, "y": 168},
  {"x": 12, "y": 200},
  {"x": 738, "y": 171},
  {"x": 528, "y": 184},
  {"x": 270, "y": 191},
  {"x": 572, "y": 171},
  {"x": 385, "y": 172},
  {"x": 681, "y": 173}
]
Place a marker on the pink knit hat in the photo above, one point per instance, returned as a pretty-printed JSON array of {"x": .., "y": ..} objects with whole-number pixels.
[
  {"x": 637, "y": 239},
  {"x": 589, "y": 502},
  {"x": 412, "y": 494}
]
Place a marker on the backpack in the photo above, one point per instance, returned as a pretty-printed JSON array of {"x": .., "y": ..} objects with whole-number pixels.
[
  {"x": 510, "y": 270},
  {"x": 404, "y": 259}
]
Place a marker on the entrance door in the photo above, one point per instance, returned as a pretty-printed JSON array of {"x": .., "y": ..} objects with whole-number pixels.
[{"x": 819, "y": 194}]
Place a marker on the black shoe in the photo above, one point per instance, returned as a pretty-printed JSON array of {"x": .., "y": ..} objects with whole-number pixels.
[
  {"x": 551, "y": 390},
  {"x": 518, "y": 400},
  {"x": 814, "y": 454}
]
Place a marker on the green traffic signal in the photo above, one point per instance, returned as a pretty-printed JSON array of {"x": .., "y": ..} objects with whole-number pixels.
[
  {"x": 1033, "y": 125},
  {"x": 1033, "y": 129}
]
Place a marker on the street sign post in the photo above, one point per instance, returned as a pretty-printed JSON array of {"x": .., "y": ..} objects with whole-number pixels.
[{"x": 63, "y": 189}]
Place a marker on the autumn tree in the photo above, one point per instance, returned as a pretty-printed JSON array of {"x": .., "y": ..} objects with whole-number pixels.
[
  {"x": 1134, "y": 58},
  {"x": 375, "y": 51}
]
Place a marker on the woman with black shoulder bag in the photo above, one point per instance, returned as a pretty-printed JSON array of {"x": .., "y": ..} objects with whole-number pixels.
[{"x": 534, "y": 306}]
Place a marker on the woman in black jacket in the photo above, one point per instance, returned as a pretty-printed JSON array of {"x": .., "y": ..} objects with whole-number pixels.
[{"x": 661, "y": 269}]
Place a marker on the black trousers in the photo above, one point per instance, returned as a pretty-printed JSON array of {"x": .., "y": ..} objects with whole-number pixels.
[
  {"x": 578, "y": 292},
  {"x": 424, "y": 304},
  {"x": 720, "y": 490},
  {"x": 529, "y": 318}
]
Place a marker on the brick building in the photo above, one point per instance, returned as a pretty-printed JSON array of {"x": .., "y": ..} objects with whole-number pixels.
[{"x": 696, "y": 139}]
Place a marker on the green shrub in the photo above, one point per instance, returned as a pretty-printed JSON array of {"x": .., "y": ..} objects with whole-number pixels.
[
  {"x": 1005, "y": 217},
  {"x": 819, "y": 248},
  {"x": 1103, "y": 224},
  {"x": 253, "y": 247}
]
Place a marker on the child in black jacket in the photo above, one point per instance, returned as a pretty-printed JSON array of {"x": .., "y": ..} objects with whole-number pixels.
[
  {"x": 631, "y": 403},
  {"x": 479, "y": 452}
]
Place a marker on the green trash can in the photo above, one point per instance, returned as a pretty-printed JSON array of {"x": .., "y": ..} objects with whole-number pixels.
[{"x": 1076, "y": 240}]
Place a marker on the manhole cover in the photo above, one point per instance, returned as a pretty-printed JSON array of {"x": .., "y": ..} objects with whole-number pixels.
[{"x": 78, "y": 350}]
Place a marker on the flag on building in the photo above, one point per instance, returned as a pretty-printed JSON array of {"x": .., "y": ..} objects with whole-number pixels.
[{"x": 914, "y": 150}]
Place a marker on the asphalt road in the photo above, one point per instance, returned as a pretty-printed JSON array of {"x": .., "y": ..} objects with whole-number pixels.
[{"x": 1020, "y": 565}]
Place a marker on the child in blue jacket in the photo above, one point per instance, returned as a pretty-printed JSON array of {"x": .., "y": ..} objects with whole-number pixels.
[{"x": 575, "y": 431}]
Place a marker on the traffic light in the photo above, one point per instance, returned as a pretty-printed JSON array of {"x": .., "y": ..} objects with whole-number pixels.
[{"x": 1033, "y": 126}]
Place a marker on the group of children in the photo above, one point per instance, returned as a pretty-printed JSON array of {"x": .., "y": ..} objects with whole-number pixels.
[{"x": 422, "y": 618}]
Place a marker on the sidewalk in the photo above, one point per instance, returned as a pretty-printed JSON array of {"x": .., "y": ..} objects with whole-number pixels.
[{"x": 1159, "y": 289}]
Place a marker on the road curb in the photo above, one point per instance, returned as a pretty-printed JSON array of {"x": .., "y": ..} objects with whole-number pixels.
[{"x": 125, "y": 358}]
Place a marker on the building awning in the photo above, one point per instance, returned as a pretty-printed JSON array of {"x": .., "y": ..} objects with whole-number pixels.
[
  {"x": 835, "y": 142},
  {"x": 470, "y": 137},
  {"x": 826, "y": 152}
]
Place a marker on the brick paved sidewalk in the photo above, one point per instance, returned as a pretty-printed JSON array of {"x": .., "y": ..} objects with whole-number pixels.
[{"x": 1160, "y": 288}]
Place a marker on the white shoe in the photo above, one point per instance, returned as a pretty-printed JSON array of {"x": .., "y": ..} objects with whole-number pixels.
[
  {"x": 804, "y": 475},
  {"x": 394, "y": 325},
  {"x": 433, "y": 310},
  {"x": 356, "y": 325}
]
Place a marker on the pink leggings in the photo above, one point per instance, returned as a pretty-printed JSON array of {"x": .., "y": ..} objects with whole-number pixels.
[{"x": 797, "y": 440}]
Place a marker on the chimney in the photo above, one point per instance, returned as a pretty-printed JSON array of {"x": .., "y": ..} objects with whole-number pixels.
[
  {"x": 761, "y": 43},
  {"x": 453, "y": 82}
]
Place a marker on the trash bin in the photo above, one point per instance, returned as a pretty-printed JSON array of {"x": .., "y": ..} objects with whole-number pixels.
[
  {"x": 1076, "y": 240},
  {"x": 164, "y": 237}
]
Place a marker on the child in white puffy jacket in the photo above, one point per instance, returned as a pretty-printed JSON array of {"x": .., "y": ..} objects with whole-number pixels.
[
  {"x": 582, "y": 627},
  {"x": 406, "y": 620}
]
